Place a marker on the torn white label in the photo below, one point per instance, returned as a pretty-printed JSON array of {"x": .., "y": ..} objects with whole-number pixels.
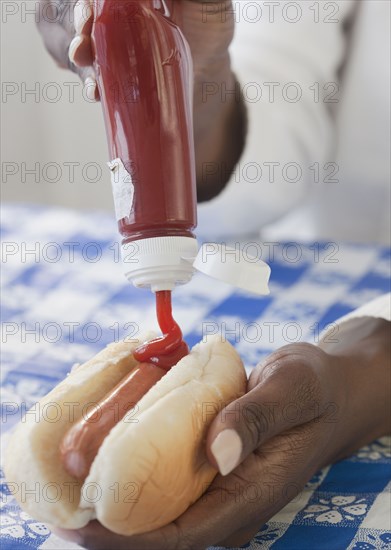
[{"x": 123, "y": 189}]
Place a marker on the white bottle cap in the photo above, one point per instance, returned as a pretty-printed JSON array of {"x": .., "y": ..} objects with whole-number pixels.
[{"x": 161, "y": 263}]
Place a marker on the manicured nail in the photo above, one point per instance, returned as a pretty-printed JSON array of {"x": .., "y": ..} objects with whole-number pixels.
[
  {"x": 66, "y": 534},
  {"x": 81, "y": 14},
  {"x": 73, "y": 46},
  {"x": 90, "y": 88},
  {"x": 227, "y": 450}
]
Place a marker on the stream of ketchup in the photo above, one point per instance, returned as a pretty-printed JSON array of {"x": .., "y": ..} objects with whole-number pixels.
[{"x": 168, "y": 349}]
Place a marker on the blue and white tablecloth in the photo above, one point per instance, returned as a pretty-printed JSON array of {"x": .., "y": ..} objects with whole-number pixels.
[{"x": 65, "y": 297}]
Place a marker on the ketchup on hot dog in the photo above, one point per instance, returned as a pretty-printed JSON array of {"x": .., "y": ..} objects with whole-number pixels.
[{"x": 82, "y": 441}]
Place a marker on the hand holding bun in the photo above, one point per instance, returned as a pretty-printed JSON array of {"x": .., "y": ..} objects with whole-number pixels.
[{"x": 152, "y": 466}]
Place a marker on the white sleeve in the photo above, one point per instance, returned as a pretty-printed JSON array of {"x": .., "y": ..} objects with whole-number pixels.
[
  {"x": 274, "y": 56},
  {"x": 379, "y": 308}
]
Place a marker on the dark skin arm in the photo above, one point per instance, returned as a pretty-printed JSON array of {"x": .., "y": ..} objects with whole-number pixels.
[
  {"x": 304, "y": 409},
  {"x": 365, "y": 356},
  {"x": 219, "y": 118}
]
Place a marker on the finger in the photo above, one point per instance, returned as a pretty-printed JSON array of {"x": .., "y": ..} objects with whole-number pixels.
[
  {"x": 237, "y": 500},
  {"x": 85, "y": 71},
  {"x": 80, "y": 51},
  {"x": 91, "y": 91},
  {"x": 284, "y": 392},
  {"x": 83, "y": 17}
]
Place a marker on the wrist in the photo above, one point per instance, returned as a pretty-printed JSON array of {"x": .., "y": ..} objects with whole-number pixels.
[
  {"x": 212, "y": 87},
  {"x": 219, "y": 129},
  {"x": 362, "y": 368}
]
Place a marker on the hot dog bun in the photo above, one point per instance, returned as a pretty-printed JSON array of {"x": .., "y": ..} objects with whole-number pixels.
[
  {"x": 32, "y": 455},
  {"x": 151, "y": 466}
]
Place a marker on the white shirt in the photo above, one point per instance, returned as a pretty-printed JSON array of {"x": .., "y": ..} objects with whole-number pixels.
[{"x": 315, "y": 76}]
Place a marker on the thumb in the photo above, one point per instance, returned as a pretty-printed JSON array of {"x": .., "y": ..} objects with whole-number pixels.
[
  {"x": 237, "y": 431},
  {"x": 287, "y": 395}
]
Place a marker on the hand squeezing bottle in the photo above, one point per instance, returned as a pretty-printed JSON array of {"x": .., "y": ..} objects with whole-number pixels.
[{"x": 144, "y": 73}]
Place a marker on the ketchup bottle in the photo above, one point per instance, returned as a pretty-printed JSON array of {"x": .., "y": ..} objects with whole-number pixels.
[{"x": 144, "y": 73}]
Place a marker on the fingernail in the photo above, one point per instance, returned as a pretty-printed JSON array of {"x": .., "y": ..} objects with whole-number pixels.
[
  {"x": 90, "y": 88},
  {"x": 227, "y": 450},
  {"x": 81, "y": 14},
  {"x": 73, "y": 46},
  {"x": 66, "y": 534}
]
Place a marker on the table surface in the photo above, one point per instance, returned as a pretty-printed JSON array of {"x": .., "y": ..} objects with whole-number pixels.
[{"x": 65, "y": 297}]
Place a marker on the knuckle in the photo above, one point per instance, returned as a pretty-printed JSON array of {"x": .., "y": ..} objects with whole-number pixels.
[
  {"x": 296, "y": 371},
  {"x": 298, "y": 360},
  {"x": 257, "y": 422},
  {"x": 272, "y": 369},
  {"x": 310, "y": 390},
  {"x": 300, "y": 350},
  {"x": 266, "y": 369}
]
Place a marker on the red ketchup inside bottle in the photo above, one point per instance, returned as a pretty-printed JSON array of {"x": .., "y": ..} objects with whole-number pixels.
[
  {"x": 144, "y": 75},
  {"x": 143, "y": 69}
]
